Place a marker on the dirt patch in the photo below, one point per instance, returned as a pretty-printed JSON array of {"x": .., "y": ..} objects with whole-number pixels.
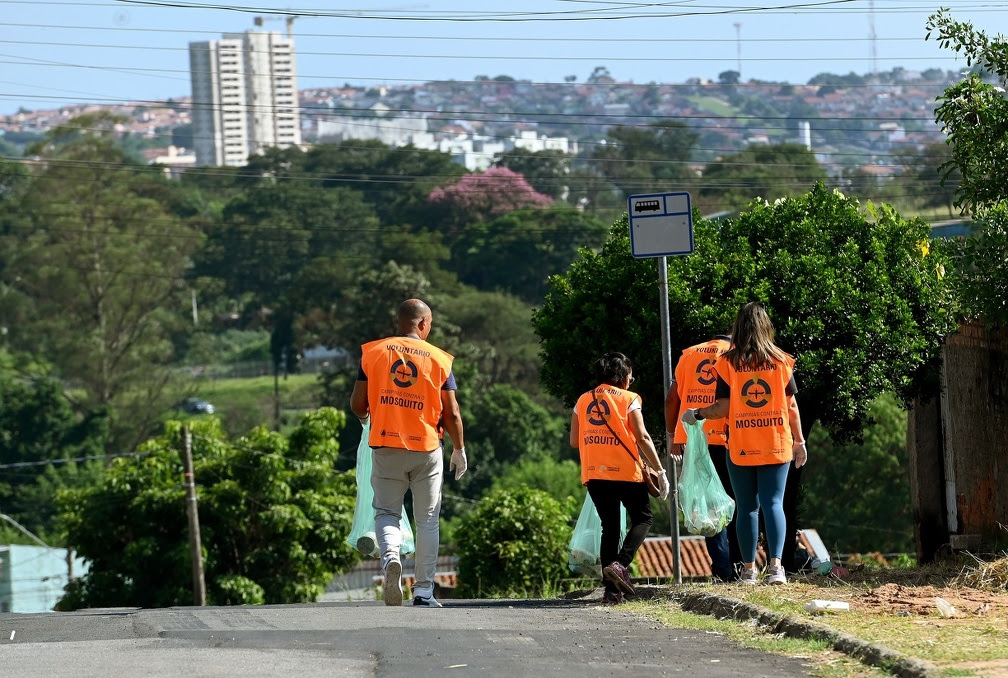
[{"x": 897, "y": 599}]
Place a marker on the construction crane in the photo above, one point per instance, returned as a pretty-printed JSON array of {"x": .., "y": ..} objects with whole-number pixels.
[{"x": 288, "y": 18}]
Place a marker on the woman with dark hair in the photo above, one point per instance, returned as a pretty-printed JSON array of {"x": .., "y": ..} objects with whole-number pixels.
[
  {"x": 607, "y": 428},
  {"x": 756, "y": 391}
]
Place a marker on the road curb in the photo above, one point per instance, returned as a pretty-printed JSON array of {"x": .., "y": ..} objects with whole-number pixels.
[{"x": 879, "y": 656}]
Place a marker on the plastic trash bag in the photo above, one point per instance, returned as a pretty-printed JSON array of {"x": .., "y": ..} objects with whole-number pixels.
[
  {"x": 362, "y": 533},
  {"x": 705, "y": 508},
  {"x": 583, "y": 555}
]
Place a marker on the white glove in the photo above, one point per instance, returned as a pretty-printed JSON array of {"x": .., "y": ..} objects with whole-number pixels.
[
  {"x": 800, "y": 454},
  {"x": 365, "y": 420},
  {"x": 689, "y": 416},
  {"x": 664, "y": 486},
  {"x": 458, "y": 463}
]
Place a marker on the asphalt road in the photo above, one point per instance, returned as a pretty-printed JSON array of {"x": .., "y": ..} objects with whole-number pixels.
[{"x": 556, "y": 638}]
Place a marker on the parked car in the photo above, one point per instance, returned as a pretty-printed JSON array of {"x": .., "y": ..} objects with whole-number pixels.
[{"x": 196, "y": 406}]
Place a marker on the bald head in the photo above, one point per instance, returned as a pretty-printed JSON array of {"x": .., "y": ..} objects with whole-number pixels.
[{"x": 414, "y": 318}]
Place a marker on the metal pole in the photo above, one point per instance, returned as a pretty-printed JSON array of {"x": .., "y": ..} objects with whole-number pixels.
[
  {"x": 667, "y": 374},
  {"x": 195, "y": 546}
]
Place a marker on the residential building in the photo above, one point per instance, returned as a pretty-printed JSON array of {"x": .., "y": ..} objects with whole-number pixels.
[
  {"x": 244, "y": 96},
  {"x": 32, "y": 578}
]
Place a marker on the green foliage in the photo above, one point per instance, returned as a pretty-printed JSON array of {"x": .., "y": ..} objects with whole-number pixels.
[
  {"x": 102, "y": 264},
  {"x": 767, "y": 172},
  {"x": 858, "y": 495},
  {"x": 273, "y": 516},
  {"x": 559, "y": 479},
  {"x": 861, "y": 304},
  {"x": 640, "y": 160},
  {"x": 547, "y": 171},
  {"x": 507, "y": 427},
  {"x": 229, "y": 346},
  {"x": 512, "y": 544},
  {"x": 974, "y": 115},
  {"x": 517, "y": 252}
]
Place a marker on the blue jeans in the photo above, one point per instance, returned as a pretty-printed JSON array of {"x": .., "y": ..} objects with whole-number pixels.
[{"x": 759, "y": 487}]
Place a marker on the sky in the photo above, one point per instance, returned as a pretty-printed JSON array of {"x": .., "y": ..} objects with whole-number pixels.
[{"x": 110, "y": 51}]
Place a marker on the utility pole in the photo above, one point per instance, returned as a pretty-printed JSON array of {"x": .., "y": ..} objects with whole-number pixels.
[
  {"x": 738, "y": 48},
  {"x": 195, "y": 545},
  {"x": 872, "y": 37}
]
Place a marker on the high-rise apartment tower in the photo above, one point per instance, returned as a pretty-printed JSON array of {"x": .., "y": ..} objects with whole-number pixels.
[{"x": 244, "y": 96}]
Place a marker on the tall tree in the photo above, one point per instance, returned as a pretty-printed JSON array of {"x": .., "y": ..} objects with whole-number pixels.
[
  {"x": 104, "y": 267},
  {"x": 648, "y": 159},
  {"x": 974, "y": 115},
  {"x": 273, "y": 519},
  {"x": 548, "y": 172},
  {"x": 767, "y": 172}
]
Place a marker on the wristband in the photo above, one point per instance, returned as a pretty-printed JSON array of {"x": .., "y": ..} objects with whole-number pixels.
[{"x": 699, "y": 415}]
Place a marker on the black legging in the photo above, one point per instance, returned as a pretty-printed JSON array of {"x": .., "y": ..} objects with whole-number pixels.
[{"x": 607, "y": 495}]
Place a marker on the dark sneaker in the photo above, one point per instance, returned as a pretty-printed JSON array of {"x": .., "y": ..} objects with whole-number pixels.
[
  {"x": 612, "y": 598},
  {"x": 617, "y": 573},
  {"x": 367, "y": 546},
  {"x": 426, "y": 601},
  {"x": 392, "y": 588}
]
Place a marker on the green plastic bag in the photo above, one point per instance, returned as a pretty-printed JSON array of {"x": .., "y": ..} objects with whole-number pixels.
[
  {"x": 583, "y": 555},
  {"x": 705, "y": 508},
  {"x": 362, "y": 533}
]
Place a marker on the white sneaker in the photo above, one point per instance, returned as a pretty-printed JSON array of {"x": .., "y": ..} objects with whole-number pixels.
[
  {"x": 775, "y": 575},
  {"x": 392, "y": 588},
  {"x": 749, "y": 577},
  {"x": 426, "y": 601}
]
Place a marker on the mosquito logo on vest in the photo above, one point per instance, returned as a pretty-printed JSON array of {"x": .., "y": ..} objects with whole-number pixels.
[
  {"x": 756, "y": 392},
  {"x": 404, "y": 373}
]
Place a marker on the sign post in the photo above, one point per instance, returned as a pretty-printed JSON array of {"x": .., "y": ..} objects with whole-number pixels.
[{"x": 661, "y": 224}]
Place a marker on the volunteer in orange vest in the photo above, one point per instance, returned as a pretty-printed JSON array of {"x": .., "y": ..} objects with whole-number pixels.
[
  {"x": 756, "y": 392},
  {"x": 607, "y": 428},
  {"x": 693, "y": 386},
  {"x": 407, "y": 387}
]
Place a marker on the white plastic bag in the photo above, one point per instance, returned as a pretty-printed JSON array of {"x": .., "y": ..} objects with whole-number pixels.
[
  {"x": 705, "y": 508},
  {"x": 583, "y": 555},
  {"x": 362, "y": 533}
]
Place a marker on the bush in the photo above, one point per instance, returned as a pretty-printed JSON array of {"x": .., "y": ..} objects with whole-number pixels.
[{"x": 513, "y": 544}]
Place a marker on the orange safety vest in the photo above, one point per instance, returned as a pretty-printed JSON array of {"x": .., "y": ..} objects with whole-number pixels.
[
  {"x": 696, "y": 381},
  {"x": 602, "y": 456},
  {"x": 759, "y": 427},
  {"x": 404, "y": 377}
]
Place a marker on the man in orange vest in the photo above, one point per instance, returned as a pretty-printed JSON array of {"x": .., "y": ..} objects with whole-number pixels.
[
  {"x": 693, "y": 386},
  {"x": 407, "y": 388}
]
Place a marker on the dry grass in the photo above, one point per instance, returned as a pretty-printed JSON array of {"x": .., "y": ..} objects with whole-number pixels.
[{"x": 899, "y": 608}]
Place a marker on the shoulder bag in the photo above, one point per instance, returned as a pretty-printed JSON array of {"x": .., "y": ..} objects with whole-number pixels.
[{"x": 652, "y": 479}]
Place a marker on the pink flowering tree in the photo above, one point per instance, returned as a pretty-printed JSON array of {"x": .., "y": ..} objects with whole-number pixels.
[{"x": 496, "y": 191}]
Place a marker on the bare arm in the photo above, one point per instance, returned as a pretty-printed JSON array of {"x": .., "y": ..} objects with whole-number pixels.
[
  {"x": 574, "y": 434},
  {"x": 794, "y": 419},
  {"x": 672, "y": 404},
  {"x": 644, "y": 442},
  {"x": 359, "y": 400},
  {"x": 452, "y": 418},
  {"x": 716, "y": 411}
]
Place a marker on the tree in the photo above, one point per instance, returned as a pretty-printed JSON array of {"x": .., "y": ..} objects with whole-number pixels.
[
  {"x": 506, "y": 427},
  {"x": 38, "y": 424},
  {"x": 860, "y": 303},
  {"x": 516, "y": 252},
  {"x": 496, "y": 191},
  {"x": 857, "y": 296},
  {"x": 104, "y": 266},
  {"x": 648, "y": 159},
  {"x": 729, "y": 77},
  {"x": 859, "y": 496},
  {"x": 923, "y": 174},
  {"x": 974, "y": 115},
  {"x": 767, "y": 172},
  {"x": 513, "y": 544},
  {"x": 548, "y": 172},
  {"x": 273, "y": 519}
]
